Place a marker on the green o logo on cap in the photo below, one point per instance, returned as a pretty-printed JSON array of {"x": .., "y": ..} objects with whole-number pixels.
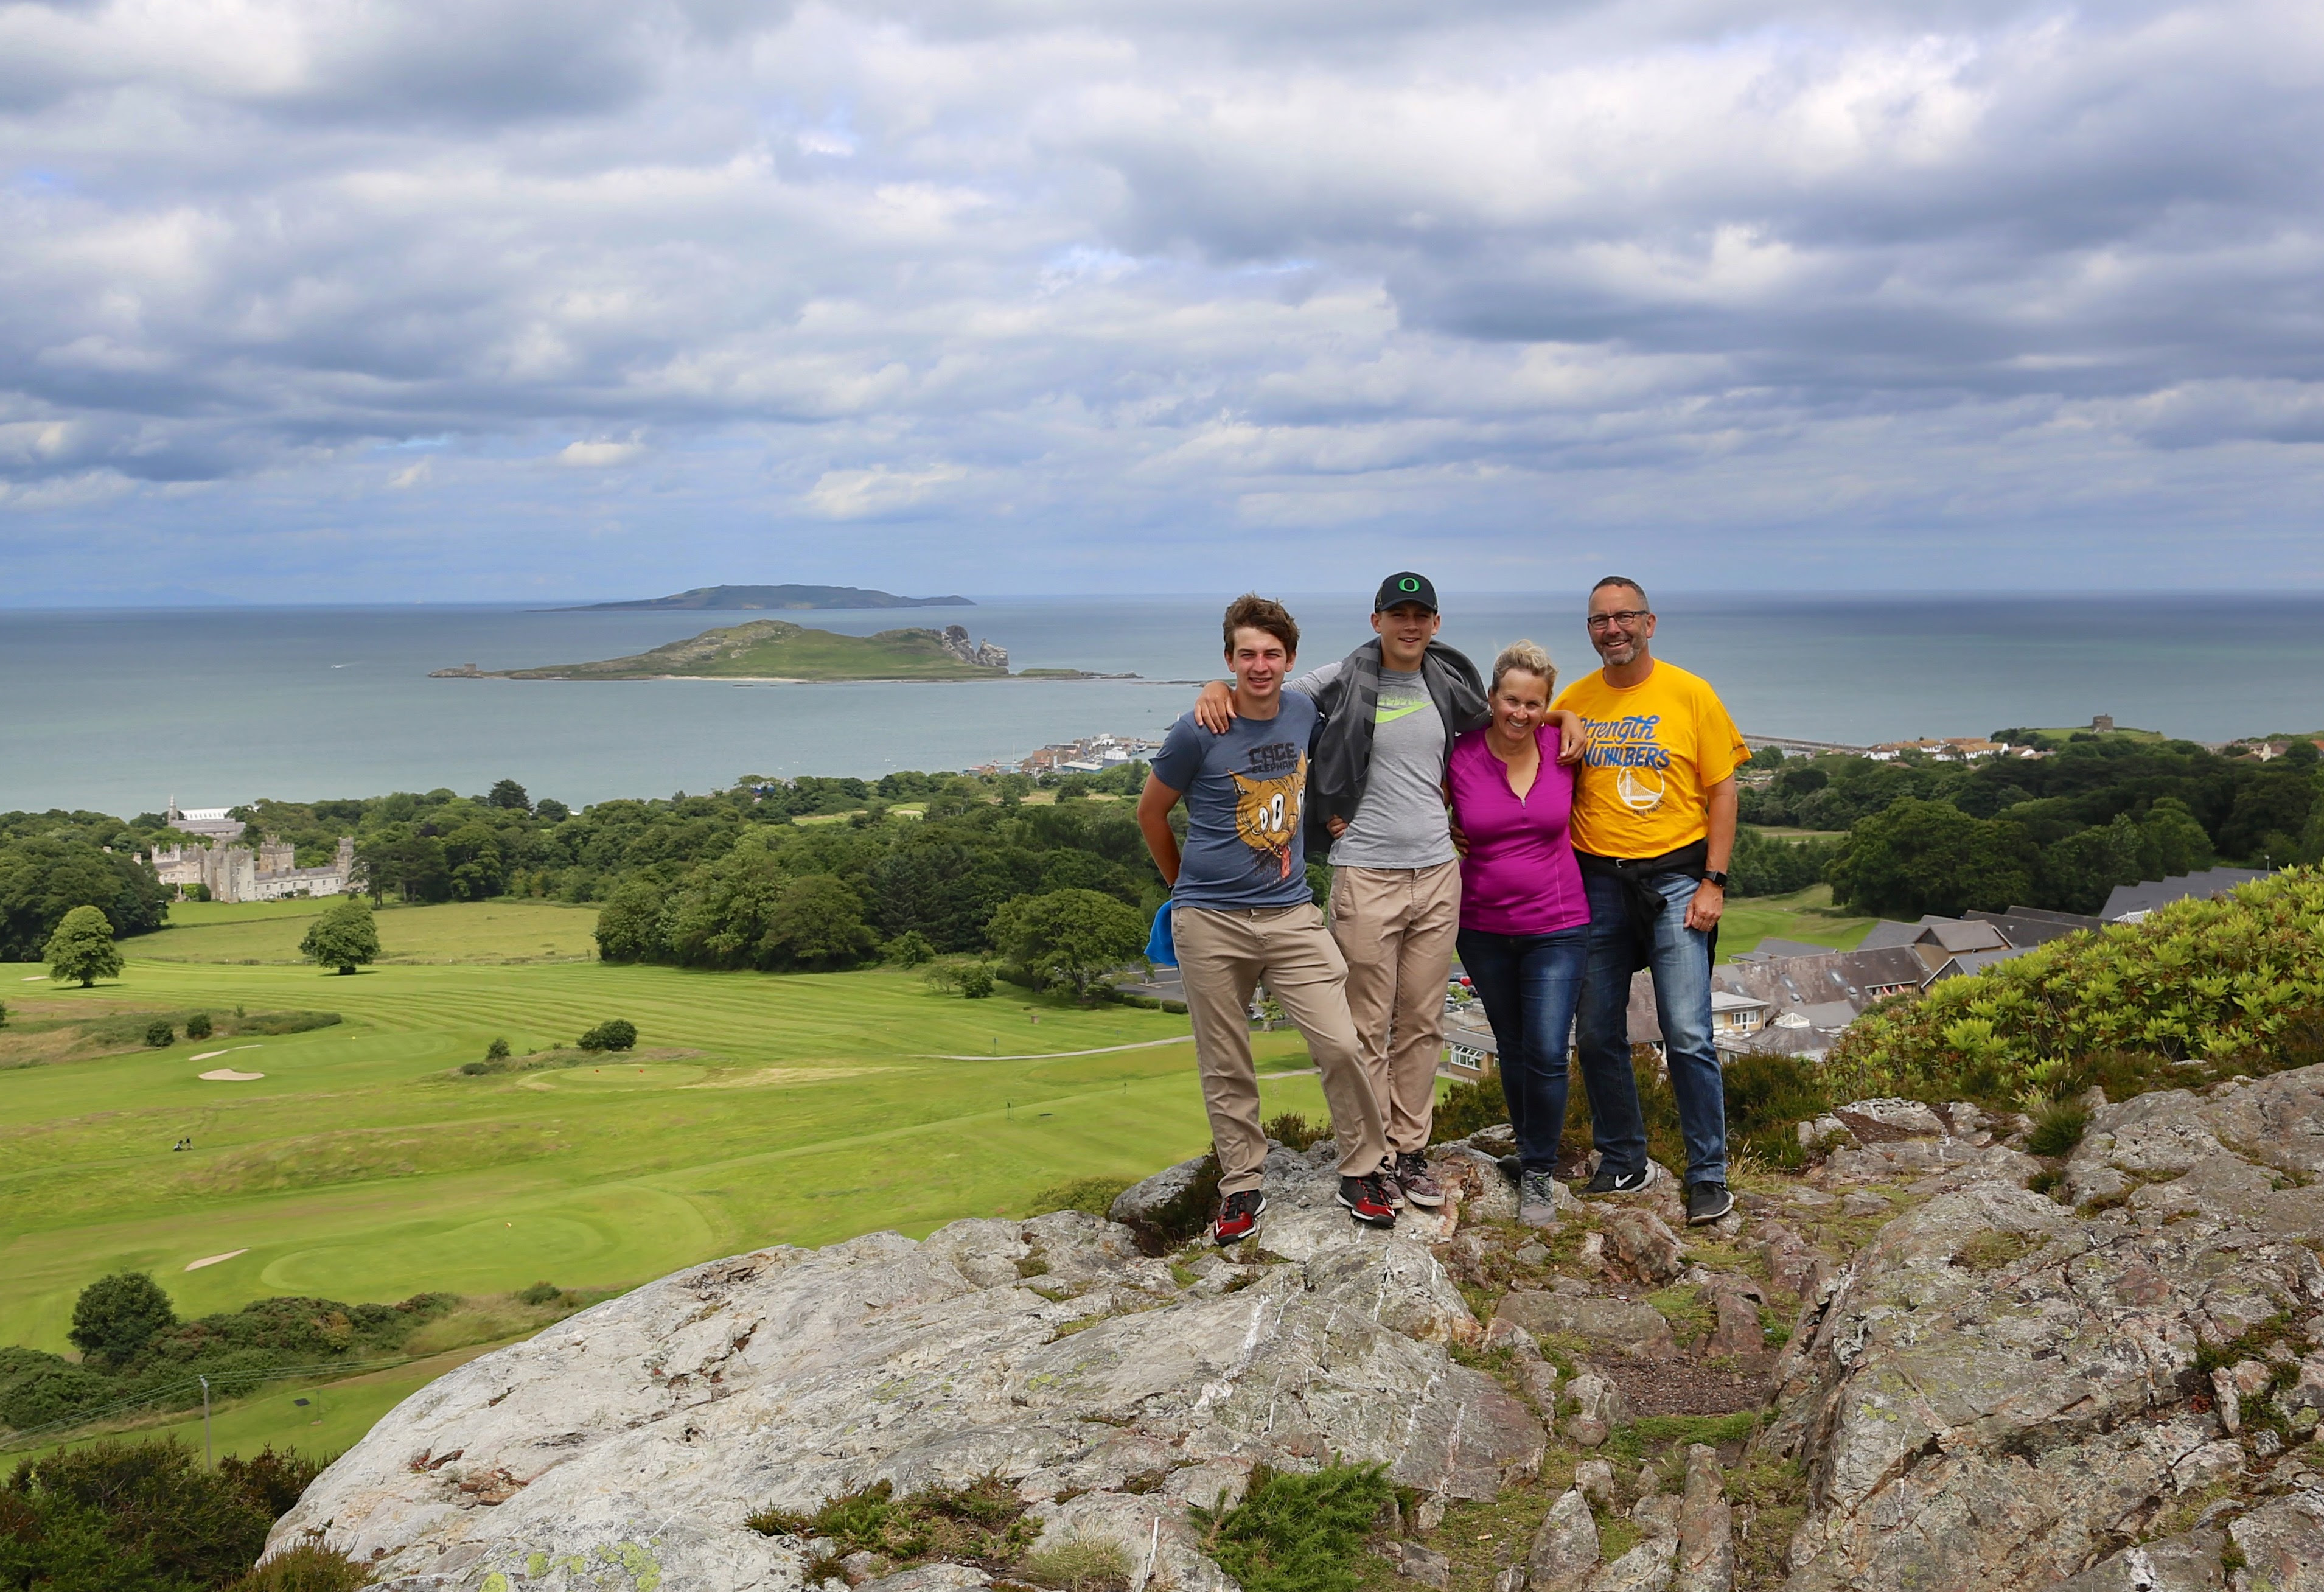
[{"x": 1408, "y": 584}]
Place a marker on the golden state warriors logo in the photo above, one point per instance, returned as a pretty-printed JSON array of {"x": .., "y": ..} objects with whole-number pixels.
[
  {"x": 1633, "y": 747},
  {"x": 1267, "y": 810}
]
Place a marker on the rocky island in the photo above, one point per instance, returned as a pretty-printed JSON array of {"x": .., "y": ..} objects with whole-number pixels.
[
  {"x": 783, "y": 596},
  {"x": 1904, "y": 1368},
  {"x": 775, "y": 650}
]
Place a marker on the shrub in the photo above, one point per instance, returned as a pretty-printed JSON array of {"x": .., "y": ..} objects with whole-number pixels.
[
  {"x": 497, "y": 1051},
  {"x": 541, "y": 1293},
  {"x": 1094, "y": 1195},
  {"x": 614, "y": 1033},
  {"x": 2057, "y": 1128},
  {"x": 290, "y": 1022},
  {"x": 1080, "y": 1564},
  {"x": 127, "y": 1517},
  {"x": 2236, "y": 982},
  {"x": 910, "y": 948},
  {"x": 1766, "y": 1097},
  {"x": 1293, "y": 1132},
  {"x": 1296, "y": 1533},
  {"x": 160, "y": 1036},
  {"x": 306, "y": 1567},
  {"x": 118, "y": 1315},
  {"x": 475, "y": 1069},
  {"x": 1468, "y": 1107},
  {"x": 197, "y": 1027}
]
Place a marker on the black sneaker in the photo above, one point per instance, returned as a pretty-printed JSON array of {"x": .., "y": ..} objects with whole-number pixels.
[
  {"x": 1237, "y": 1216},
  {"x": 1609, "y": 1182},
  {"x": 1707, "y": 1202},
  {"x": 1366, "y": 1199}
]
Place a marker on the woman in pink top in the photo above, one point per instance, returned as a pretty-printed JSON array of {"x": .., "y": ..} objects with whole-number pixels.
[{"x": 1524, "y": 916}]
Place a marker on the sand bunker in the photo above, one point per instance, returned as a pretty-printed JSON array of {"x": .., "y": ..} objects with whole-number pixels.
[
  {"x": 229, "y": 1075},
  {"x": 229, "y": 1050},
  {"x": 195, "y": 1265}
]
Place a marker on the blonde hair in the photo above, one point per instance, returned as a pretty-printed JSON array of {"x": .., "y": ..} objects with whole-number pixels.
[{"x": 1528, "y": 657}]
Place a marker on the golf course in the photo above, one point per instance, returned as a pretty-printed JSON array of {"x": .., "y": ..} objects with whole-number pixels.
[{"x": 364, "y": 1165}]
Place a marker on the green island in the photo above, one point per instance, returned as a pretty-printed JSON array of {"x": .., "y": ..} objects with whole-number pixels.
[{"x": 778, "y": 650}]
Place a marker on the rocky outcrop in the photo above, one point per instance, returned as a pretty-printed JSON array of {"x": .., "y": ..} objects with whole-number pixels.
[
  {"x": 1050, "y": 1352},
  {"x": 2004, "y": 1392},
  {"x": 2103, "y": 1374}
]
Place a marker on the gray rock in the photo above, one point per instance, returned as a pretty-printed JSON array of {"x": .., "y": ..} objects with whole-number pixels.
[
  {"x": 2227, "y": 1401},
  {"x": 1658, "y": 1513},
  {"x": 1141, "y": 1200},
  {"x": 933, "y": 1577},
  {"x": 1598, "y": 1407},
  {"x": 1737, "y": 1332},
  {"x": 1624, "y": 1326},
  {"x": 1565, "y": 1548},
  {"x": 1644, "y": 1244},
  {"x": 2283, "y": 1545},
  {"x": 645, "y": 1430},
  {"x": 1646, "y": 1568},
  {"x": 1594, "y": 1479},
  {"x": 1540, "y": 1380},
  {"x": 1421, "y": 1564},
  {"x": 1994, "y": 1395},
  {"x": 1706, "y": 1529},
  {"x": 1864, "y": 1202},
  {"x": 2176, "y": 1564}
]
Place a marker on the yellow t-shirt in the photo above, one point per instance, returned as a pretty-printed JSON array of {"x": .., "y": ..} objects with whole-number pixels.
[{"x": 1654, "y": 749}]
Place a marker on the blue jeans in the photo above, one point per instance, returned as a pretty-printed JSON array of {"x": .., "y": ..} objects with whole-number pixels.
[
  {"x": 1679, "y": 962},
  {"x": 1529, "y": 985}
]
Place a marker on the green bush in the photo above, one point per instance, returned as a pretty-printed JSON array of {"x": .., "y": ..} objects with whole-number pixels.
[
  {"x": 497, "y": 1051},
  {"x": 1465, "y": 1107},
  {"x": 1766, "y": 1097},
  {"x": 117, "y": 1316},
  {"x": 541, "y": 1293},
  {"x": 160, "y": 1036},
  {"x": 127, "y": 1517},
  {"x": 2057, "y": 1128},
  {"x": 1079, "y": 1564},
  {"x": 1296, "y": 1533},
  {"x": 2237, "y": 983},
  {"x": 306, "y": 1567},
  {"x": 197, "y": 1027},
  {"x": 1094, "y": 1195},
  {"x": 1294, "y": 1132},
  {"x": 976, "y": 981},
  {"x": 614, "y": 1033}
]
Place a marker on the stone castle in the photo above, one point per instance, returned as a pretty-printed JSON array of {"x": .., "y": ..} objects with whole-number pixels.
[{"x": 270, "y": 872}]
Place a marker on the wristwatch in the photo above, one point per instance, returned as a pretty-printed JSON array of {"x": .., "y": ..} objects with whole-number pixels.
[{"x": 1715, "y": 876}]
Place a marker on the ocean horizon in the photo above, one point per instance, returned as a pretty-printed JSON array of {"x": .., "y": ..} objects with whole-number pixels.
[{"x": 119, "y": 709}]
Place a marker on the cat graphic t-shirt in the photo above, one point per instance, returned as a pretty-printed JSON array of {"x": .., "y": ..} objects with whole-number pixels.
[
  {"x": 1656, "y": 748},
  {"x": 1244, "y": 791}
]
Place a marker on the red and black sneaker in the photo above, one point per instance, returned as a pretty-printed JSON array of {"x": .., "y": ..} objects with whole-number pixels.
[
  {"x": 1366, "y": 1199},
  {"x": 1237, "y": 1216}
]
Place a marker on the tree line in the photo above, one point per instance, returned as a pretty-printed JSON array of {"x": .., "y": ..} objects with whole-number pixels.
[{"x": 2059, "y": 831}]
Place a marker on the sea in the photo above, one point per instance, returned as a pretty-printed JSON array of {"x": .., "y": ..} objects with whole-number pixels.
[{"x": 123, "y": 710}]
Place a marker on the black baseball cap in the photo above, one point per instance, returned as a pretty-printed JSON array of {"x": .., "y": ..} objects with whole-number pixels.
[{"x": 1405, "y": 587}]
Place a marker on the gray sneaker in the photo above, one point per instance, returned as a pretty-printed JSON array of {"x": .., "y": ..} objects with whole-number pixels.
[{"x": 1537, "y": 1200}]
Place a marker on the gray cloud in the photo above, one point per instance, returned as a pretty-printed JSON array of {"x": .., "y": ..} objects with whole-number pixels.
[{"x": 1028, "y": 293}]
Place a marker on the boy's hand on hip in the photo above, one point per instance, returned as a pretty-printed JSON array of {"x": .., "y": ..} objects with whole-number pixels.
[{"x": 1703, "y": 912}]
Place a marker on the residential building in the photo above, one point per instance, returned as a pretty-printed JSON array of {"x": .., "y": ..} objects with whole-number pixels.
[
  {"x": 267, "y": 872},
  {"x": 2131, "y": 903}
]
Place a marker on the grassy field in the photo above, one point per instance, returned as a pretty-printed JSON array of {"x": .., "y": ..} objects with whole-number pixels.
[
  {"x": 363, "y": 1167},
  {"x": 1804, "y": 915}
]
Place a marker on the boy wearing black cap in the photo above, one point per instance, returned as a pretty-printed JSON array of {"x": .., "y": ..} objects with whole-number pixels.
[{"x": 1389, "y": 712}]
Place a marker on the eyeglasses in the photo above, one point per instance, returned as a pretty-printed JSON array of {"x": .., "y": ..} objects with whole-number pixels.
[{"x": 1624, "y": 617}]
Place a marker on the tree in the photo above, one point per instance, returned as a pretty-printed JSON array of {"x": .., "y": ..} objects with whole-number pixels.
[
  {"x": 629, "y": 924},
  {"x": 2079, "y": 871},
  {"x": 82, "y": 947},
  {"x": 345, "y": 937},
  {"x": 473, "y": 852},
  {"x": 510, "y": 794},
  {"x": 613, "y": 1034},
  {"x": 549, "y": 810},
  {"x": 117, "y": 1316},
  {"x": 2172, "y": 841},
  {"x": 159, "y": 1034},
  {"x": 44, "y": 875},
  {"x": 1920, "y": 857},
  {"x": 197, "y": 1027},
  {"x": 817, "y": 923},
  {"x": 1072, "y": 937},
  {"x": 910, "y": 948}
]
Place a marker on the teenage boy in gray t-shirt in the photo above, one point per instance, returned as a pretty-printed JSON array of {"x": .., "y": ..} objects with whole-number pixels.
[{"x": 1242, "y": 912}]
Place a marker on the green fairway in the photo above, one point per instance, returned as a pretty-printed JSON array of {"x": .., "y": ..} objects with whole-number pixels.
[
  {"x": 363, "y": 1166},
  {"x": 1804, "y": 915}
]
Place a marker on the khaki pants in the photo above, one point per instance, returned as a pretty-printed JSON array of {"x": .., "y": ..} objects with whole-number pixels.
[
  {"x": 1222, "y": 957},
  {"x": 1397, "y": 926}
]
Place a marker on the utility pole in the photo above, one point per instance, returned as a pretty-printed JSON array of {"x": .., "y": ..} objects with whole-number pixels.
[{"x": 207, "y": 1464}]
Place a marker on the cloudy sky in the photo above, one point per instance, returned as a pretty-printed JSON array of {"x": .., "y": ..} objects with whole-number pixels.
[{"x": 509, "y": 298}]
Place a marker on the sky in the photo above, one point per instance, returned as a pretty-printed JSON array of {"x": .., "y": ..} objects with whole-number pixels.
[{"x": 507, "y": 299}]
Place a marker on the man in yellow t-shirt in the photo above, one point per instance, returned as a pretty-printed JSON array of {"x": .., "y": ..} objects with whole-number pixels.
[{"x": 1654, "y": 826}]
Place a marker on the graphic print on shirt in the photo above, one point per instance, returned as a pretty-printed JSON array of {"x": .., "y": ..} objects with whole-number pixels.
[
  {"x": 1267, "y": 805},
  {"x": 1397, "y": 701},
  {"x": 1632, "y": 745}
]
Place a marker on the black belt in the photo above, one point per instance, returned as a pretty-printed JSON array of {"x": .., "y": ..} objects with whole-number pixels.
[{"x": 1638, "y": 876}]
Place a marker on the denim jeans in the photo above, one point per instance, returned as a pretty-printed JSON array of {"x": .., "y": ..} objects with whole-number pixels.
[
  {"x": 1679, "y": 962},
  {"x": 1529, "y": 985}
]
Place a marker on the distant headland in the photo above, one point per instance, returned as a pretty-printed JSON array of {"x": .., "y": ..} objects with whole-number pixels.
[
  {"x": 787, "y": 596},
  {"x": 778, "y": 651}
]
